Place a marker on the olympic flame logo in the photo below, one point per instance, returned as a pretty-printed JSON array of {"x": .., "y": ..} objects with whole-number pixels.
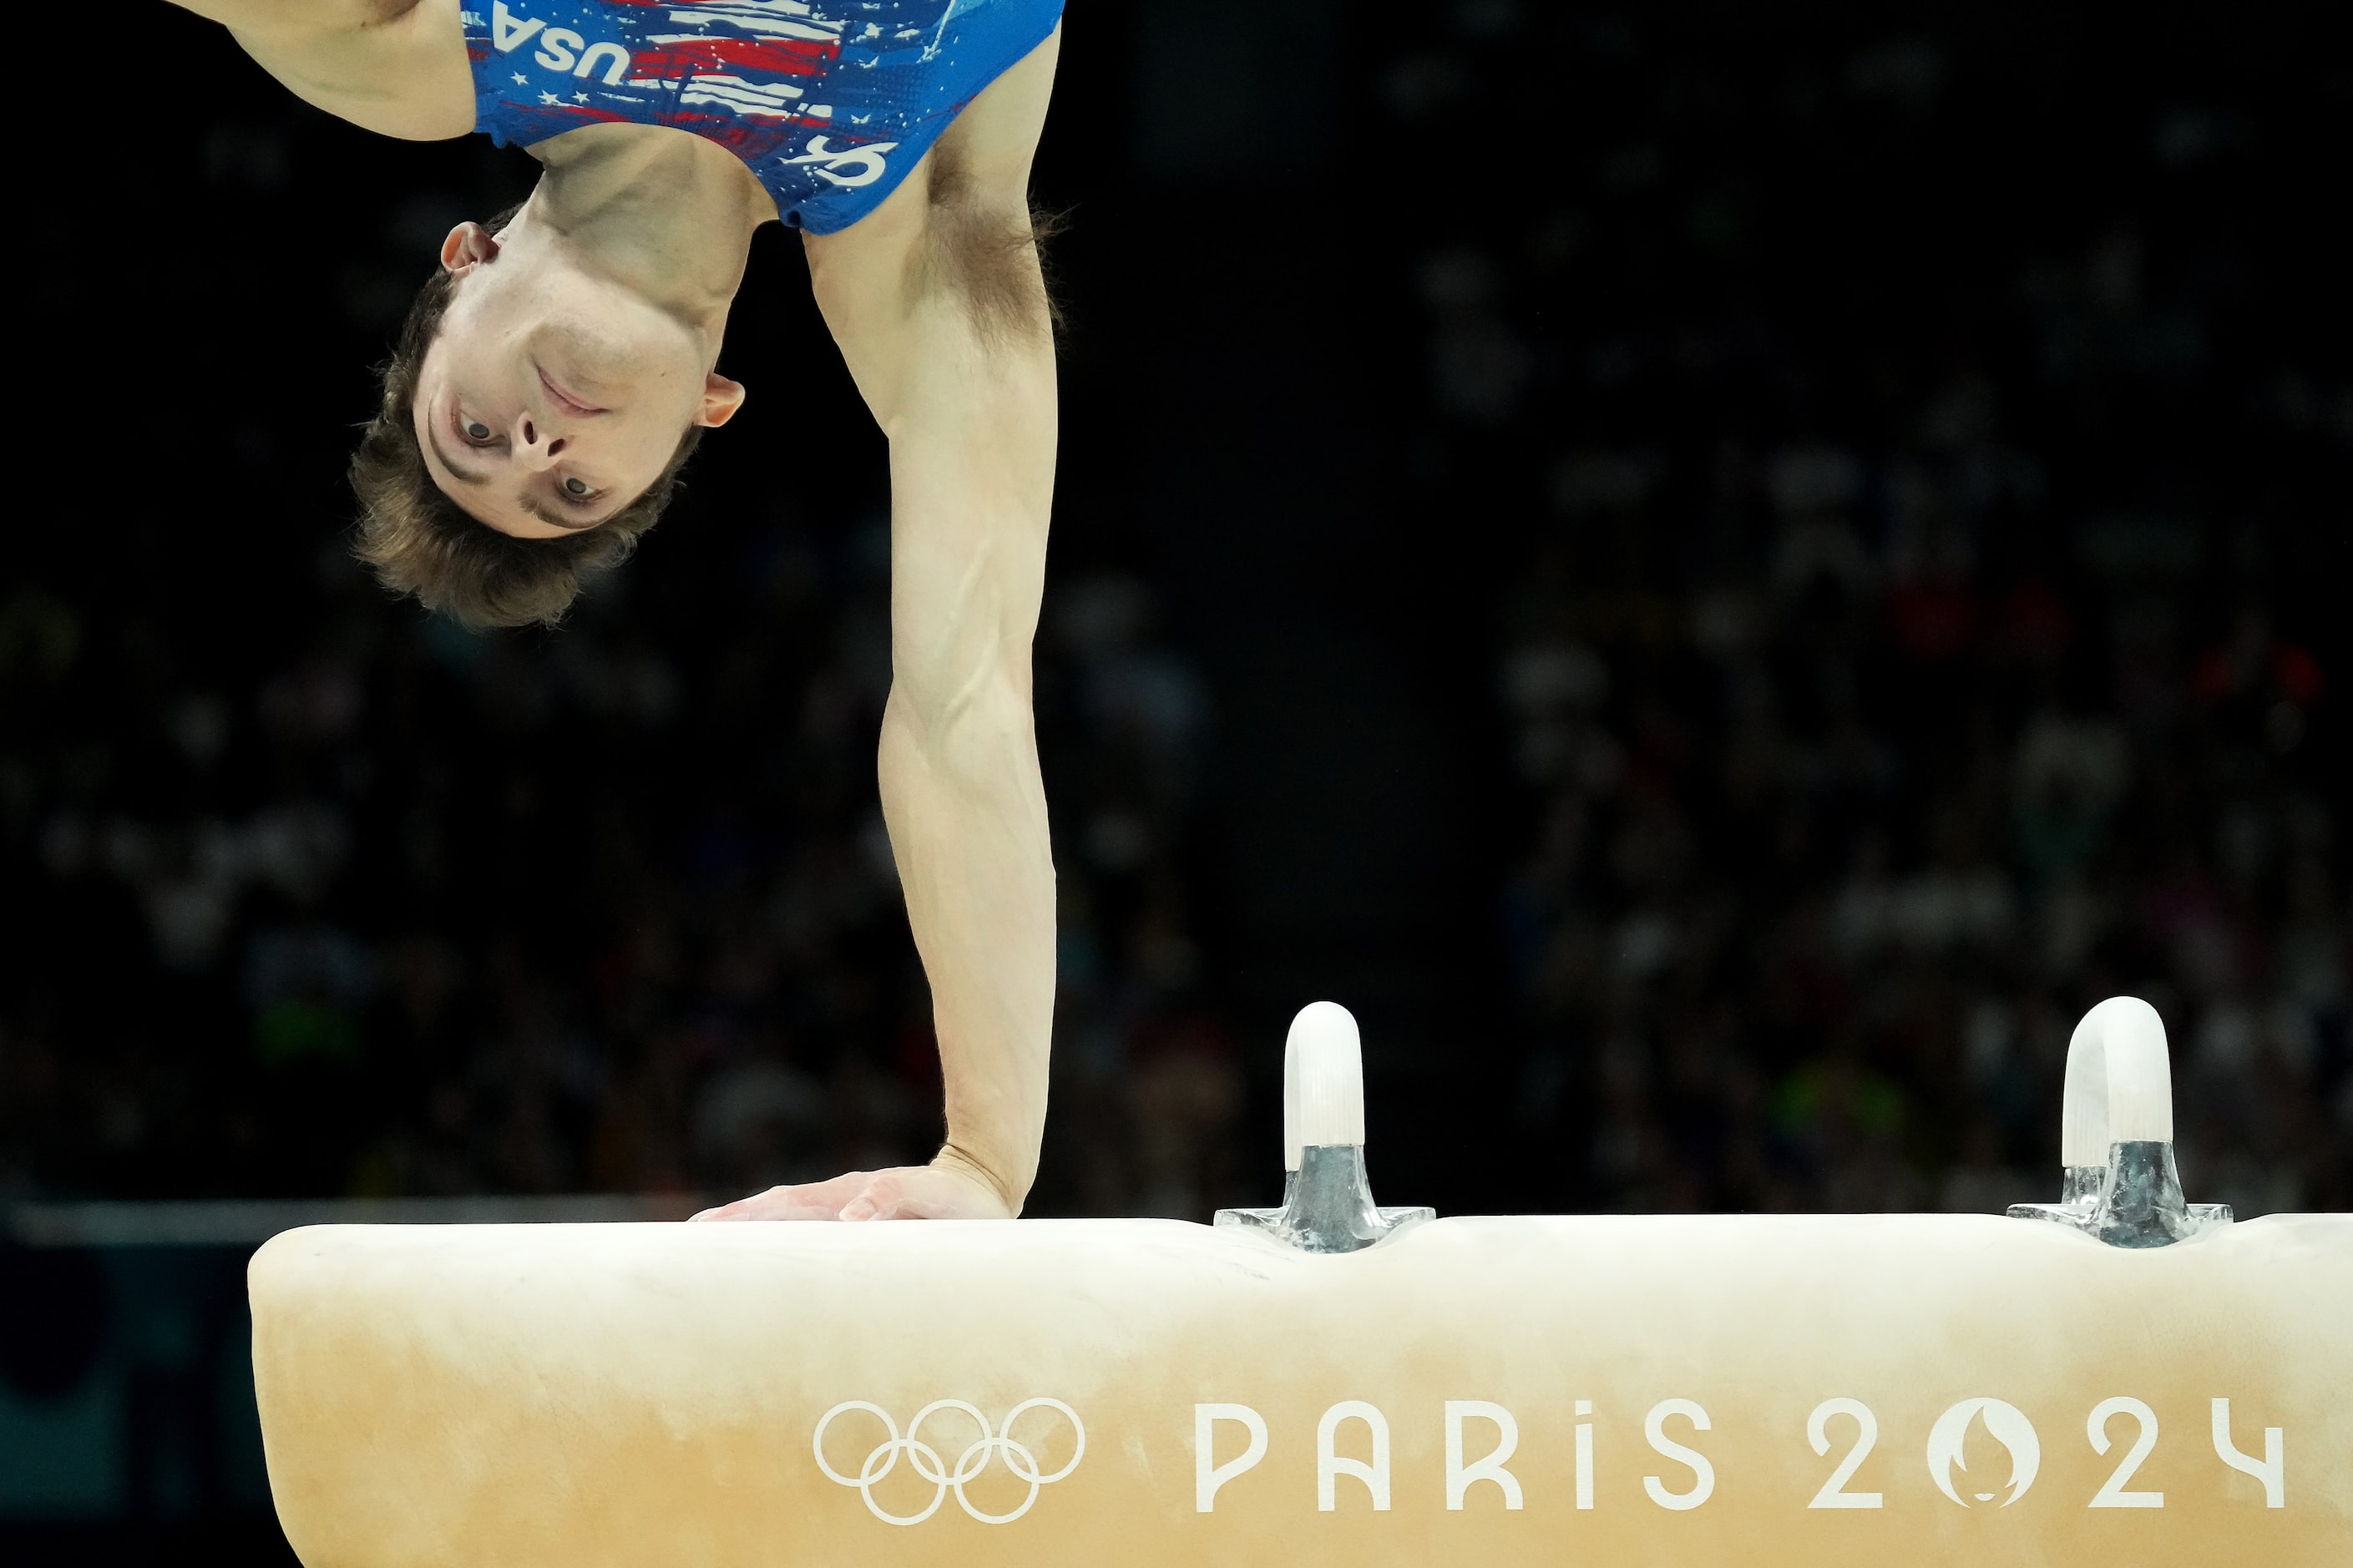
[
  {"x": 2006, "y": 1424},
  {"x": 924, "y": 1459}
]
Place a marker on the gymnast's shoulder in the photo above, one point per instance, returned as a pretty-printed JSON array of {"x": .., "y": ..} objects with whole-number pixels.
[
  {"x": 960, "y": 226},
  {"x": 394, "y": 67}
]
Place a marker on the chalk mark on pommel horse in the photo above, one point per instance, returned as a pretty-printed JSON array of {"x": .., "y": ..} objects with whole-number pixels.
[{"x": 2142, "y": 1382}]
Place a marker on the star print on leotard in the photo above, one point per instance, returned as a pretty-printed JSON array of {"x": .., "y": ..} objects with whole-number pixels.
[{"x": 771, "y": 81}]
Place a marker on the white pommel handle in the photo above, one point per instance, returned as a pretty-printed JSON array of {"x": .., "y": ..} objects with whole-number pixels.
[
  {"x": 1291, "y": 1101},
  {"x": 2119, "y": 1085},
  {"x": 1330, "y": 1073}
]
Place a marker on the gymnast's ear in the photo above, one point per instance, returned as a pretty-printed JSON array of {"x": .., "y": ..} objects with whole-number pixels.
[
  {"x": 721, "y": 399},
  {"x": 465, "y": 245}
]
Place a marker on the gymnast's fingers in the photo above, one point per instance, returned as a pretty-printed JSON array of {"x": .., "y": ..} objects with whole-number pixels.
[
  {"x": 925, "y": 1191},
  {"x": 812, "y": 1200}
]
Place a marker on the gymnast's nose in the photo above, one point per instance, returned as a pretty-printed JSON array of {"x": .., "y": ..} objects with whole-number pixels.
[{"x": 536, "y": 447}]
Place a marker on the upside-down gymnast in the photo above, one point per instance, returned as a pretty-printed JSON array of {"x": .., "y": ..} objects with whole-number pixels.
[{"x": 559, "y": 366}]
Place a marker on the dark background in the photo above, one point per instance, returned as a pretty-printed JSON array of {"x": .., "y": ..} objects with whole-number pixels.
[{"x": 1717, "y": 573}]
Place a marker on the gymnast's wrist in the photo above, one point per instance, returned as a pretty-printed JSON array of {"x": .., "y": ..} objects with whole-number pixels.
[{"x": 1009, "y": 1188}]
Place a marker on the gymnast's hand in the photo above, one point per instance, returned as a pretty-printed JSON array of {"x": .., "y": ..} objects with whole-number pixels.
[{"x": 948, "y": 1188}]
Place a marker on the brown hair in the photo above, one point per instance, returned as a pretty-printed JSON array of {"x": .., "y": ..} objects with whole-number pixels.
[{"x": 420, "y": 542}]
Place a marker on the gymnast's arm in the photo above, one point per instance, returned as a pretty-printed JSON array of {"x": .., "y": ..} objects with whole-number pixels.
[
  {"x": 938, "y": 306},
  {"x": 394, "y": 67}
]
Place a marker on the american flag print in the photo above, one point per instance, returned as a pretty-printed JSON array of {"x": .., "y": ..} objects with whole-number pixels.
[{"x": 829, "y": 102}]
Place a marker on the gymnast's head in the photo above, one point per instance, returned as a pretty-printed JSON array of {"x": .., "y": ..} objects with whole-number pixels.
[{"x": 535, "y": 414}]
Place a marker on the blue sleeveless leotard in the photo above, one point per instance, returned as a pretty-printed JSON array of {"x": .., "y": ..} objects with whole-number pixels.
[{"x": 829, "y": 102}]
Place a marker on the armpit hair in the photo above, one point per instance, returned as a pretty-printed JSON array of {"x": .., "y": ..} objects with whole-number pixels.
[{"x": 991, "y": 255}]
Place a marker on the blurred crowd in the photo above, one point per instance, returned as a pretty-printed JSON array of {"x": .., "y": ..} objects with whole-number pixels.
[
  {"x": 425, "y": 912},
  {"x": 1895, "y": 480},
  {"x": 1902, "y": 659}
]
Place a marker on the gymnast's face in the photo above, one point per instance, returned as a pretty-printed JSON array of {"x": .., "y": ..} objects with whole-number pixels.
[{"x": 553, "y": 395}]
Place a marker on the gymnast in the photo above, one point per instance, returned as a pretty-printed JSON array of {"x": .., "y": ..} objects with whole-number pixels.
[{"x": 560, "y": 365}]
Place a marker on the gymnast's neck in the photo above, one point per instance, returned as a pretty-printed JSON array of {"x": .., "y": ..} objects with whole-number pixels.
[{"x": 667, "y": 214}]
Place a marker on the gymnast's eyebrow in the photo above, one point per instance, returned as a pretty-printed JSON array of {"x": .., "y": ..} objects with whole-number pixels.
[
  {"x": 460, "y": 475},
  {"x": 553, "y": 520}
]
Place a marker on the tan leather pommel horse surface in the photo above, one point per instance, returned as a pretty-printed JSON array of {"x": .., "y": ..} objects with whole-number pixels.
[
  {"x": 2121, "y": 1377},
  {"x": 1756, "y": 1389}
]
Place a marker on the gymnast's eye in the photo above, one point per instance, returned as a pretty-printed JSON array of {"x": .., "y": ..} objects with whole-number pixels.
[
  {"x": 477, "y": 431},
  {"x": 575, "y": 487}
]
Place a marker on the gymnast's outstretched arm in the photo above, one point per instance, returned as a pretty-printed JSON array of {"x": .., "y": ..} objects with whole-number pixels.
[
  {"x": 937, "y": 303},
  {"x": 394, "y": 67}
]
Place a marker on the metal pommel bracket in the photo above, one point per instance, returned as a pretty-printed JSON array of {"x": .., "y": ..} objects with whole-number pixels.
[
  {"x": 1327, "y": 1202},
  {"x": 2118, "y": 1178}
]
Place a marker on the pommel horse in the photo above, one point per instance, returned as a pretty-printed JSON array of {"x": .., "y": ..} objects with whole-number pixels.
[{"x": 2118, "y": 1377}]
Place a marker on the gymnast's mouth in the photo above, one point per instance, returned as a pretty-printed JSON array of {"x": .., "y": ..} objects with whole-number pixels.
[{"x": 570, "y": 404}]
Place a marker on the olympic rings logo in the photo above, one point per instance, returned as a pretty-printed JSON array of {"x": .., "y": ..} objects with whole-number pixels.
[{"x": 924, "y": 1459}]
